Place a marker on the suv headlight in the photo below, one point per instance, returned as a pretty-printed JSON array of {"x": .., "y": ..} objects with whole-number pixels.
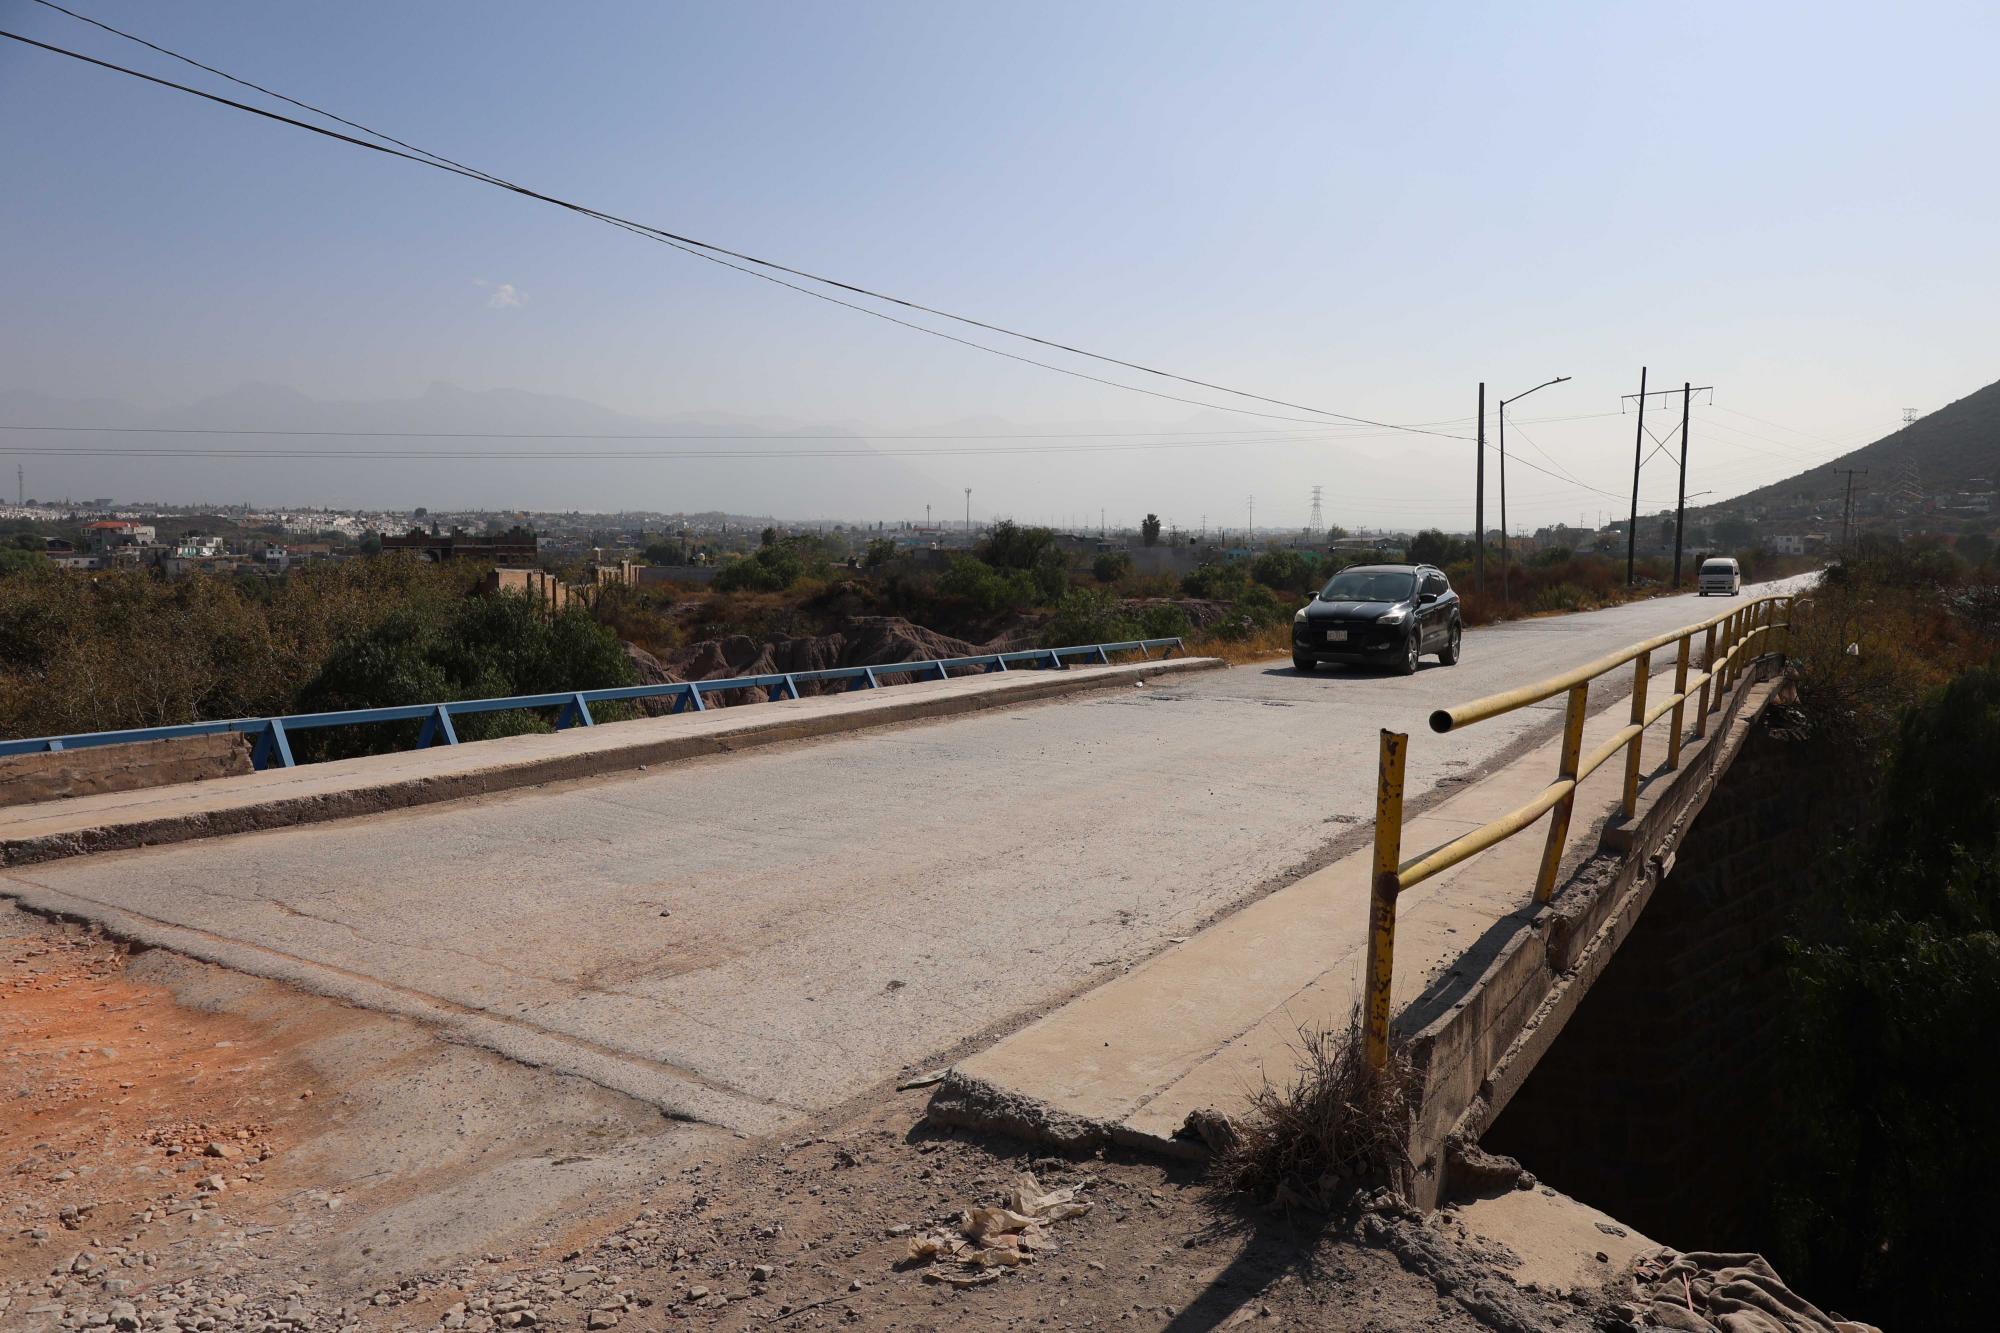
[
  {"x": 1396, "y": 617},
  {"x": 1299, "y": 615}
]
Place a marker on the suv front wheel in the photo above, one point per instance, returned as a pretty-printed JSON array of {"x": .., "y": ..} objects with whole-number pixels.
[{"x": 1411, "y": 652}]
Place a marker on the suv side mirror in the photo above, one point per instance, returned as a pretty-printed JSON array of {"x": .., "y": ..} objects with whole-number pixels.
[{"x": 1426, "y": 598}]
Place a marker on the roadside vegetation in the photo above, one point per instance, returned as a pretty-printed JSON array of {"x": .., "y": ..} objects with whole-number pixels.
[
  {"x": 127, "y": 649},
  {"x": 1337, "y": 1127},
  {"x": 124, "y": 649},
  {"x": 1881, "y": 1199}
]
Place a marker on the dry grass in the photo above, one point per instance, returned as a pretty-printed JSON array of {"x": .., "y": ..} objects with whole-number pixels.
[
  {"x": 1271, "y": 642},
  {"x": 1340, "y": 1126}
]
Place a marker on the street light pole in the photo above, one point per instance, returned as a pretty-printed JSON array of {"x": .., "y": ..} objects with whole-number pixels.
[
  {"x": 1479, "y": 497},
  {"x": 1503, "y": 476}
]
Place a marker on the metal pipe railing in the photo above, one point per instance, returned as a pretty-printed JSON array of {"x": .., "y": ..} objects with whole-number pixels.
[
  {"x": 272, "y": 741},
  {"x": 1731, "y": 640}
]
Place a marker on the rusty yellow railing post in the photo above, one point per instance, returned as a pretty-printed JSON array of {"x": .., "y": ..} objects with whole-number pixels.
[
  {"x": 1708, "y": 660},
  {"x": 1641, "y": 672},
  {"x": 1680, "y": 701},
  {"x": 1572, "y": 751},
  {"x": 1382, "y": 894}
]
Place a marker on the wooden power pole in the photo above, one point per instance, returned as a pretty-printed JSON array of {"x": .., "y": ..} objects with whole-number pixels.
[
  {"x": 1638, "y": 446},
  {"x": 1681, "y": 505}
]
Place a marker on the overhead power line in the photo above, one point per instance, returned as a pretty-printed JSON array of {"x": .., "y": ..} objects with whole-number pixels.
[
  {"x": 710, "y": 251},
  {"x": 667, "y": 435}
]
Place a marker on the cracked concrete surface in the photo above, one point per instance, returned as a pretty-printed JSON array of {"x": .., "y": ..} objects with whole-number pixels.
[{"x": 744, "y": 938}]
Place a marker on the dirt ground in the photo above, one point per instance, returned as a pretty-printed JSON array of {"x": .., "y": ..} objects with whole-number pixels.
[{"x": 183, "y": 1148}]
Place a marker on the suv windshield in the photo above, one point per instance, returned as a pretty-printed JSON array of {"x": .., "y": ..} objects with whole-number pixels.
[{"x": 1370, "y": 585}]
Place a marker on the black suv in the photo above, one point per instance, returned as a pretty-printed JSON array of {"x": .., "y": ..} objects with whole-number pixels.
[{"x": 1387, "y": 614}]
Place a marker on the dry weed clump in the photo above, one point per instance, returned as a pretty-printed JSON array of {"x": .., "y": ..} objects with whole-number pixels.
[{"x": 1338, "y": 1127}]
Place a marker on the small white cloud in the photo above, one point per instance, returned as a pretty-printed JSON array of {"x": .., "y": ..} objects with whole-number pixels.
[{"x": 505, "y": 295}]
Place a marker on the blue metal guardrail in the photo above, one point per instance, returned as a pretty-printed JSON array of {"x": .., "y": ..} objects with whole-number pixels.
[{"x": 271, "y": 745}]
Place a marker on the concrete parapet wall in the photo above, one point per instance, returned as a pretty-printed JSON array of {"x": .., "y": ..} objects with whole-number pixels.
[
  {"x": 1652, "y": 1102},
  {"x": 1475, "y": 1055},
  {"x": 29, "y": 778}
]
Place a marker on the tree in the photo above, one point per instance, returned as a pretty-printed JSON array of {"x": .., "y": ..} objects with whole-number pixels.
[
  {"x": 881, "y": 550},
  {"x": 1149, "y": 530},
  {"x": 1433, "y": 546},
  {"x": 1286, "y": 571},
  {"x": 1336, "y": 533},
  {"x": 479, "y": 647},
  {"x": 1111, "y": 566},
  {"x": 768, "y": 537}
]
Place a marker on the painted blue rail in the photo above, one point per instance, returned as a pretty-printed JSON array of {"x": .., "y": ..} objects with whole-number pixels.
[{"x": 272, "y": 744}]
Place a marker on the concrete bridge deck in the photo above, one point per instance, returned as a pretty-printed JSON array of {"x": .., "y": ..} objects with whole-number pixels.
[
  {"x": 1202, "y": 1025},
  {"x": 747, "y": 938}
]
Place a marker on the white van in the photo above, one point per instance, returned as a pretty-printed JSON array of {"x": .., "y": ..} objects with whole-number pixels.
[{"x": 1720, "y": 575}]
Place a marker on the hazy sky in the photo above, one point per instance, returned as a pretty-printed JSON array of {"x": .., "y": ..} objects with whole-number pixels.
[{"x": 1363, "y": 207}]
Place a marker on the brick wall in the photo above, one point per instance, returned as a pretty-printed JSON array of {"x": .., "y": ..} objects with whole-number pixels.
[{"x": 1650, "y": 1103}]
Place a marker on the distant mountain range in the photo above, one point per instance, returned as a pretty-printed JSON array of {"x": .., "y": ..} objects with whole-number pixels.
[
  {"x": 268, "y": 453},
  {"x": 1955, "y": 449}
]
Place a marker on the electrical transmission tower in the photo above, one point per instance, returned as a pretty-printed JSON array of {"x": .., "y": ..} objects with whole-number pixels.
[
  {"x": 1908, "y": 493},
  {"x": 1909, "y": 416},
  {"x": 1317, "y": 524},
  {"x": 1847, "y": 506}
]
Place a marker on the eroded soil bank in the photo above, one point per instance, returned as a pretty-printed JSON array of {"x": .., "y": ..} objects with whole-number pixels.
[{"x": 186, "y": 1148}]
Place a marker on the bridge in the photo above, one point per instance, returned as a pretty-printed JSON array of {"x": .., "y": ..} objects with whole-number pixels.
[{"x": 1105, "y": 896}]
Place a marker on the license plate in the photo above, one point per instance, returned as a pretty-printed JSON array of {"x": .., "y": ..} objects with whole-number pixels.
[{"x": 1336, "y": 636}]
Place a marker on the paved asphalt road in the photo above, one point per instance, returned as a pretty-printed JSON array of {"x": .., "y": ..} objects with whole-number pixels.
[{"x": 787, "y": 927}]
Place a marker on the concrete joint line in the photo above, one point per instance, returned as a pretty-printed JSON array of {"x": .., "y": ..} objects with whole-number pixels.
[{"x": 679, "y": 1094}]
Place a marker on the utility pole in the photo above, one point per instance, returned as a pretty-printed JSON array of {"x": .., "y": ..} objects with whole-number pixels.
[
  {"x": 1681, "y": 506},
  {"x": 1847, "y": 506},
  {"x": 968, "y": 513},
  {"x": 1479, "y": 500},
  {"x": 1638, "y": 444},
  {"x": 1250, "y": 536},
  {"x": 1503, "y": 475},
  {"x": 1317, "y": 524}
]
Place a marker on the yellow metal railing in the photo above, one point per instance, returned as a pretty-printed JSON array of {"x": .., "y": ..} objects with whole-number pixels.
[{"x": 1730, "y": 642}]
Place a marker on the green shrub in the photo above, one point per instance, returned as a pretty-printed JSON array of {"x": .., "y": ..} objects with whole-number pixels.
[
  {"x": 985, "y": 588},
  {"x": 1165, "y": 622},
  {"x": 1111, "y": 566},
  {"x": 1085, "y": 615},
  {"x": 1885, "y": 1197},
  {"x": 477, "y": 648},
  {"x": 1560, "y": 597},
  {"x": 1217, "y": 580},
  {"x": 1286, "y": 571}
]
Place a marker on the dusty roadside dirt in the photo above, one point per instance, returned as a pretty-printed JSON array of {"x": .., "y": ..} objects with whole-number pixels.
[{"x": 185, "y": 1149}]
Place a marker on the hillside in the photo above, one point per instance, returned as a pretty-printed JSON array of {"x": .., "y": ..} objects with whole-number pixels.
[{"x": 1949, "y": 449}]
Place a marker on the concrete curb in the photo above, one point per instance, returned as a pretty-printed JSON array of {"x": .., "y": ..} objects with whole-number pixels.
[{"x": 522, "y": 761}]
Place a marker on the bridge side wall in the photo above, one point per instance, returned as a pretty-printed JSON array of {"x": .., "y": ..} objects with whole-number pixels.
[
  {"x": 1473, "y": 1058},
  {"x": 1650, "y": 1102}
]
